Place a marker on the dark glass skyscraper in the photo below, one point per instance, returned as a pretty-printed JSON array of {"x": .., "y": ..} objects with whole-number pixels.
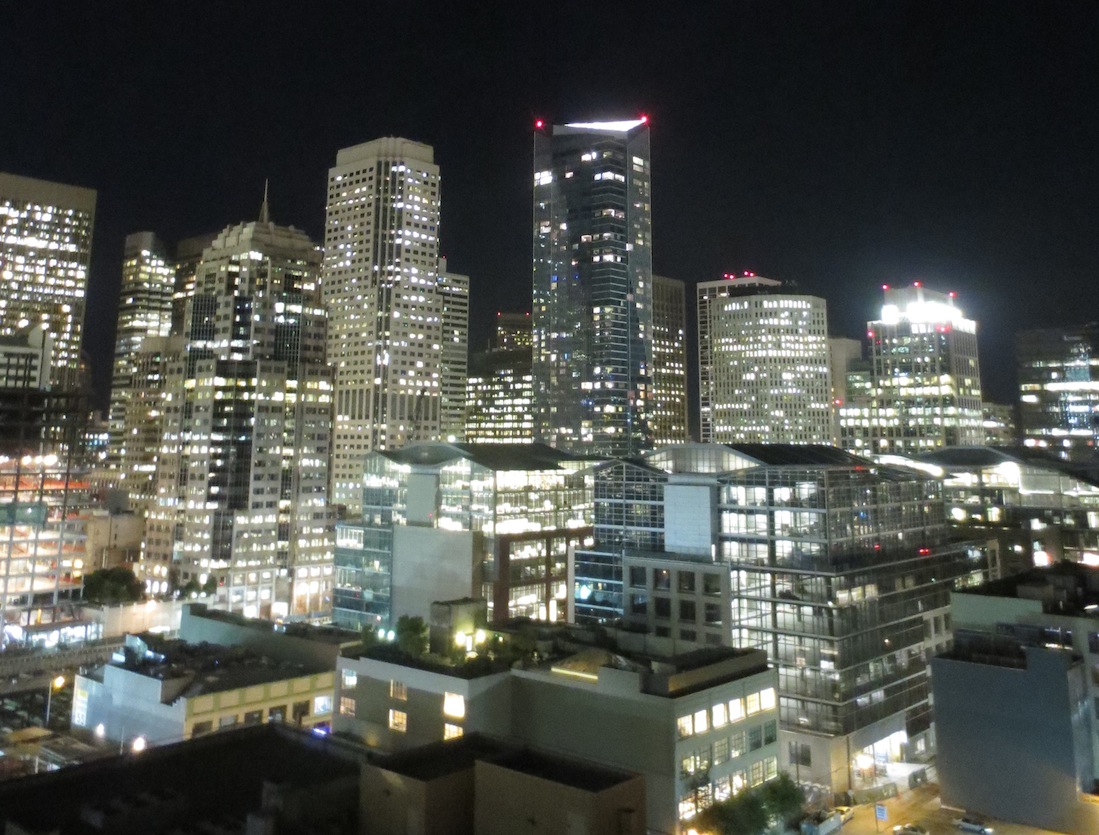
[{"x": 592, "y": 310}]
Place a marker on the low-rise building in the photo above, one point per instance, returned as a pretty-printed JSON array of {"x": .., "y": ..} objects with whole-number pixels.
[
  {"x": 699, "y": 723},
  {"x": 1015, "y": 732},
  {"x": 223, "y": 671},
  {"x": 481, "y": 785}
]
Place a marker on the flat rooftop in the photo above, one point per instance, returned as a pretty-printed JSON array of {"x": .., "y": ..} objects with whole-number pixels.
[
  {"x": 214, "y": 777},
  {"x": 1064, "y": 588},
  {"x": 441, "y": 759}
]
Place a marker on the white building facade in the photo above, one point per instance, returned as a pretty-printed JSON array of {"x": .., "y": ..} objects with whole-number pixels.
[
  {"x": 763, "y": 363},
  {"x": 380, "y": 280}
]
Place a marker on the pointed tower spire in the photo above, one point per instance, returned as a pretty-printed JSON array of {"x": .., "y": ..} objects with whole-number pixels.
[{"x": 264, "y": 209}]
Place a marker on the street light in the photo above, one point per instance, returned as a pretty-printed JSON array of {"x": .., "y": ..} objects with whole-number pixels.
[{"x": 56, "y": 684}]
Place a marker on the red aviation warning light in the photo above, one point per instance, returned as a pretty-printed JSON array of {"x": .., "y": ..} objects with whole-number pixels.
[
  {"x": 539, "y": 124},
  {"x": 644, "y": 119}
]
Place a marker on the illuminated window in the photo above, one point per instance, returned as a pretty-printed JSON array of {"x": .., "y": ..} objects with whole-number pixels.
[
  {"x": 753, "y": 703},
  {"x": 756, "y": 772},
  {"x": 685, "y": 726},
  {"x": 398, "y": 720},
  {"x": 350, "y": 678},
  {"x": 687, "y": 808},
  {"x": 347, "y": 706},
  {"x": 767, "y": 699},
  {"x": 398, "y": 690},
  {"x": 720, "y": 715},
  {"x": 736, "y": 710},
  {"x": 454, "y": 705},
  {"x": 322, "y": 704},
  {"x": 702, "y": 721},
  {"x": 451, "y": 731}
]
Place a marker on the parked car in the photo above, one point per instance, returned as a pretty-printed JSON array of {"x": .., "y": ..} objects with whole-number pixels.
[
  {"x": 845, "y": 812},
  {"x": 908, "y": 829},
  {"x": 972, "y": 825}
]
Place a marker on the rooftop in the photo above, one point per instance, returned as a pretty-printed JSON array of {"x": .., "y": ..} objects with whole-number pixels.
[
  {"x": 215, "y": 777},
  {"x": 972, "y": 457},
  {"x": 440, "y": 759},
  {"x": 490, "y": 456},
  {"x": 197, "y": 669},
  {"x": 1064, "y": 588},
  {"x": 323, "y": 634}
]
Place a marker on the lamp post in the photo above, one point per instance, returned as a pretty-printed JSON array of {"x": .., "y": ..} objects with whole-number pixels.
[{"x": 55, "y": 684}]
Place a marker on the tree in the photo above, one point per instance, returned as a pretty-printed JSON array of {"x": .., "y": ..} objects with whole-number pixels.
[
  {"x": 743, "y": 814},
  {"x": 370, "y": 636},
  {"x": 782, "y": 797},
  {"x": 113, "y": 585},
  {"x": 411, "y": 635}
]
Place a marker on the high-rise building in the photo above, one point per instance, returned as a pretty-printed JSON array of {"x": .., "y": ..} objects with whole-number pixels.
[
  {"x": 45, "y": 247},
  {"x": 925, "y": 380},
  {"x": 242, "y": 470},
  {"x": 839, "y": 569},
  {"x": 1059, "y": 389},
  {"x": 187, "y": 258},
  {"x": 453, "y": 293},
  {"x": 144, "y": 311},
  {"x": 381, "y": 257},
  {"x": 500, "y": 389},
  {"x": 763, "y": 363},
  {"x": 593, "y": 318},
  {"x": 513, "y": 332},
  {"x": 669, "y": 401}
]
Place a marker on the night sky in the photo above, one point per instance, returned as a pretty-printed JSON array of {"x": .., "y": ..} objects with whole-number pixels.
[{"x": 836, "y": 144}]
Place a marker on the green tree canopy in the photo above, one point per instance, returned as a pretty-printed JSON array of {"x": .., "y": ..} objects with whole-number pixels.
[
  {"x": 110, "y": 586},
  {"x": 411, "y": 635}
]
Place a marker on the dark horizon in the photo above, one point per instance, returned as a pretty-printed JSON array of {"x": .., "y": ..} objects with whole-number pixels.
[{"x": 842, "y": 146}]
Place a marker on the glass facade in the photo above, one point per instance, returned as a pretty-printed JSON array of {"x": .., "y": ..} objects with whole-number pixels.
[
  {"x": 669, "y": 406},
  {"x": 531, "y": 504},
  {"x": 1059, "y": 389},
  {"x": 834, "y": 572},
  {"x": 593, "y": 318},
  {"x": 629, "y": 517}
]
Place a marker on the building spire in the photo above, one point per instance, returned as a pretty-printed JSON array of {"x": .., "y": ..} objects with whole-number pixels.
[{"x": 264, "y": 209}]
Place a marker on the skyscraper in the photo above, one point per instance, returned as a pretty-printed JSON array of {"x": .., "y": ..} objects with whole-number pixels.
[
  {"x": 500, "y": 391},
  {"x": 925, "y": 378},
  {"x": 144, "y": 312},
  {"x": 45, "y": 247},
  {"x": 243, "y": 466},
  {"x": 1059, "y": 389},
  {"x": 381, "y": 256},
  {"x": 669, "y": 407},
  {"x": 763, "y": 363},
  {"x": 453, "y": 292},
  {"x": 592, "y": 311}
]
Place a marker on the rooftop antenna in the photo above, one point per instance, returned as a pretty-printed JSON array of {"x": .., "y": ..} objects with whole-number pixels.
[{"x": 264, "y": 210}]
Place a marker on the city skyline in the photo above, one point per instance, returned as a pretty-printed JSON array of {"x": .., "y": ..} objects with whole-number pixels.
[{"x": 838, "y": 148}]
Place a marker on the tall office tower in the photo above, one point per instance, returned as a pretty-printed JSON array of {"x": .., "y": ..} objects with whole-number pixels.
[
  {"x": 669, "y": 402},
  {"x": 381, "y": 254},
  {"x": 513, "y": 332},
  {"x": 43, "y": 492},
  {"x": 1059, "y": 389},
  {"x": 243, "y": 466},
  {"x": 844, "y": 357},
  {"x": 925, "y": 379},
  {"x": 144, "y": 311},
  {"x": 500, "y": 390},
  {"x": 593, "y": 341},
  {"x": 453, "y": 295},
  {"x": 45, "y": 247},
  {"x": 187, "y": 258},
  {"x": 762, "y": 363}
]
